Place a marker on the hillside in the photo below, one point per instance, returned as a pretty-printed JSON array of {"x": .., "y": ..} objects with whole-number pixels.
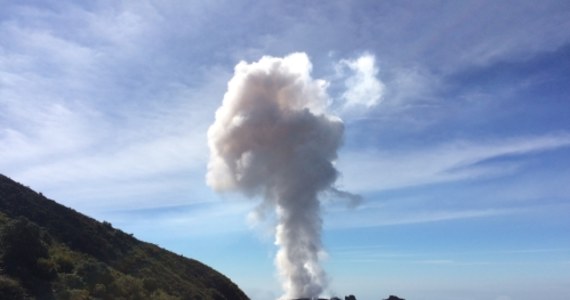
[{"x": 48, "y": 251}]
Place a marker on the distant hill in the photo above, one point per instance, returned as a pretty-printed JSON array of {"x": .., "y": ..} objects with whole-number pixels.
[{"x": 48, "y": 251}]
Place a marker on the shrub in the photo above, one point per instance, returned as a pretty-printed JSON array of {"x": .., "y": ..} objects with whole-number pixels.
[
  {"x": 162, "y": 295},
  {"x": 63, "y": 260},
  {"x": 129, "y": 287},
  {"x": 71, "y": 281},
  {"x": 78, "y": 295},
  {"x": 94, "y": 272},
  {"x": 46, "y": 269},
  {"x": 99, "y": 290},
  {"x": 11, "y": 289}
]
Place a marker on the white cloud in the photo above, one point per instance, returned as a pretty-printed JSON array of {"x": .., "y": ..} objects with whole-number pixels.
[
  {"x": 185, "y": 221},
  {"x": 149, "y": 158},
  {"x": 93, "y": 108},
  {"x": 370, "y": 216},
  {"x": 411, "y": 86},
  {"x": 362, "y": 85},
  {"x": 53, "y": 131},
  {"x": 377, "y": 170}
]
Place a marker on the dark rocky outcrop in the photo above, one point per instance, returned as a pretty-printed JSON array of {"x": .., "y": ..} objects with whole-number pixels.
[{"x": 392, "y": 297}]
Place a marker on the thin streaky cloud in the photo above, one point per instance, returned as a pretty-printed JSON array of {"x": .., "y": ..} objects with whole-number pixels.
[
  {"x": 378, "y": 219},
  {"x": 444, "y": 163}
]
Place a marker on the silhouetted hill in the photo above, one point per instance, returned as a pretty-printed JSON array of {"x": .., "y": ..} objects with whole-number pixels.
[{"x": 48, "y": 251}]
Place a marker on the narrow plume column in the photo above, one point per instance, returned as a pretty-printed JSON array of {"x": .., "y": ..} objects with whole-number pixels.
[{"x": 272, "y": 138}]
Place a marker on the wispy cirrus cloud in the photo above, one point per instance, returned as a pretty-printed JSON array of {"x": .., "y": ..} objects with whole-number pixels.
[
  {"x": 90, "y": 101},
  {"x": 185, "y": 220},
  {"x": 378, "y": 217},
  {"x": 460, "y": 160}
]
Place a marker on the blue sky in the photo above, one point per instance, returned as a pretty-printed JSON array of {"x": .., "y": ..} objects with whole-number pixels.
[{"x": 463, "y": 158}]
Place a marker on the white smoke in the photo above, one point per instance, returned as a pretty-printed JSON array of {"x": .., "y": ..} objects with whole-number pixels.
[{"x": 272, "y": 138}]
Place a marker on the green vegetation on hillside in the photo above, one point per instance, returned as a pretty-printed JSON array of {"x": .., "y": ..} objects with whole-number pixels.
[{"x": 48, "y": 251}]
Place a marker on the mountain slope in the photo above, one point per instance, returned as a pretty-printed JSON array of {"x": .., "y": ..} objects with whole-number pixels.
[{"x": 50, "y": 251}]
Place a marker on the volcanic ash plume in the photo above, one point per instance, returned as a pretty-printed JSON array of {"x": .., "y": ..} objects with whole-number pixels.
[{"x": 272, "y": 138}]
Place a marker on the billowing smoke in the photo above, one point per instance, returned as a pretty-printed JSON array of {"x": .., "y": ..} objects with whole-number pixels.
[{"x": 272, "y": 138}]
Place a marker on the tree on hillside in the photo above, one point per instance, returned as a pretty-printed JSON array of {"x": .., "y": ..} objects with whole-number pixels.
[
  {"x": 26, "y": 256},
  {"x": 23, "y": 246}
]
